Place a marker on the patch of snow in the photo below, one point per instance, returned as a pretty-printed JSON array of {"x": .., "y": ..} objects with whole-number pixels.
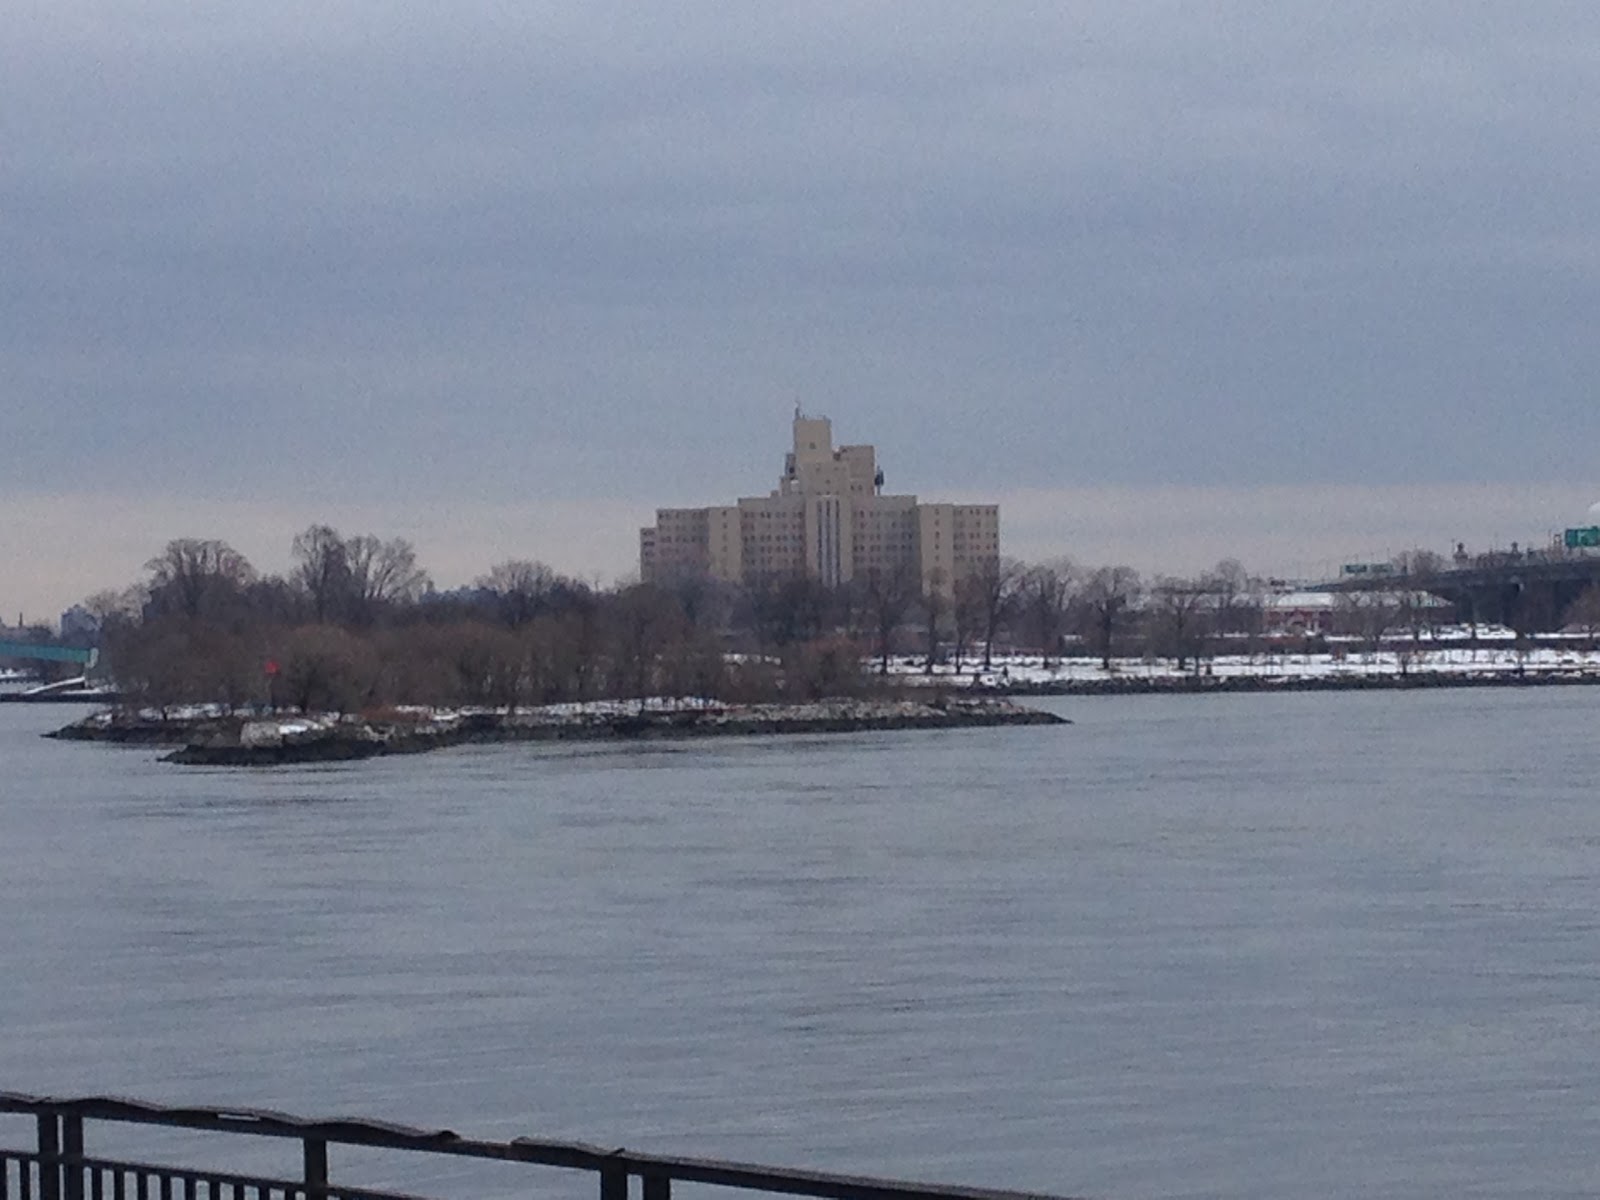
[
  {"x": 182, "y": 712},
  {"x": 1030, "y": 670},
  {"x": 272, "y": 731}
]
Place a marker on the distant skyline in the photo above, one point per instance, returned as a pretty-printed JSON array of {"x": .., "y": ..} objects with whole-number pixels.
[
  {"x": 1293, "y": 532},
  {"x": 1167, "y": 282}
]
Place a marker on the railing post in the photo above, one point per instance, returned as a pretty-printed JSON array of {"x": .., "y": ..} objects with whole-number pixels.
[
  {"x": 316, "y": 1162},
  {"x": 614, "y": 1183},
  {"x": 658, "y": 1187},
  {"x": 72, "y": 1155},
  {"x": 49, "y": 1157}
]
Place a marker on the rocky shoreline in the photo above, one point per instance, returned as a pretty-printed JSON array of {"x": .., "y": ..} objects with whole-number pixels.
[{"x": 239, "y": 740}]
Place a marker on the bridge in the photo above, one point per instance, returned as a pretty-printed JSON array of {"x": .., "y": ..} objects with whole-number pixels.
[
  {"x": 61, "y": 1166},
  {"x": 33, "y": 652},
  {"x": 1531, "y": 591}
]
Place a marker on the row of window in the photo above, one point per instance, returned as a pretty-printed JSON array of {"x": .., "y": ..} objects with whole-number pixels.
[{"x": 904, "y": 540}]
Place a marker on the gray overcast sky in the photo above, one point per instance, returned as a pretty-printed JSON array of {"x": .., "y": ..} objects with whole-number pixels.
[{"x": 1166, "y": 279}]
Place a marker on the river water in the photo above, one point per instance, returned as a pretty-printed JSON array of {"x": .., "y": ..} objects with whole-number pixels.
[{"x": 1301, "y": 945}]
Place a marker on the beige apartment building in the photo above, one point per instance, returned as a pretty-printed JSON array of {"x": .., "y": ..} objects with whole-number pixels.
[{"x": 827, "y": 519}]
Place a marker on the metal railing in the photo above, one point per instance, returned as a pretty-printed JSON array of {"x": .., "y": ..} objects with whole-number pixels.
[{"x": 58, "y": 1166}]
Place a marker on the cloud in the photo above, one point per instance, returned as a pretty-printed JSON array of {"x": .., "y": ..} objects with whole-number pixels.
[{"x": 501, "y": 255}]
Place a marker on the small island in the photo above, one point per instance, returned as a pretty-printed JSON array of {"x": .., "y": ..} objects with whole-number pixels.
[{"x": 205, "y": 737}]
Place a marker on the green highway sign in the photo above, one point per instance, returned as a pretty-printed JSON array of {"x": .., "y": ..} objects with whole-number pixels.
[{"x": 1589, "y": 536}]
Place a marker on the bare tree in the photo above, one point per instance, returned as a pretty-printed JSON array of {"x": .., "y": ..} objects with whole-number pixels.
[
  {"x": 382, "y": 574},
  {"x": 575, "y": 646},
  {"x": 828, "y": 666},
  {"x": 322, "y": 571},
  {"x": 151, "y": 663},
  {"x": 1237, "y": 600},
  {"x": 966, "y": 615},
  {"x": 1367, "y": 615},
  {"x": 273, "y": 601},
  {"x": 1046, "y": 594},
  {"x": 692, "y": 664},
  {"x": 196, "y": 577},
  {"x": 110, "y": 605},
  {"x": 935, "y": 604},
  {"x": 706, "y": 602},
  {"x": 645, "y": 623},
  {"x": 785, "y": 610},
  {"x": 1416, "y": 609},
  {"x": 486, "y": 665},
  {"x": 1108, "y": 600},
  {"x": 521, "y": 588},
  {"x": 1584, "y": 614},
  {"x": 355, "y": 579},
  {"x": 326, "y": 669},
  {"x": 995, "y": 586},
  {"x": 1180, "y": 609},
  {"x": 887, "y": 594}
]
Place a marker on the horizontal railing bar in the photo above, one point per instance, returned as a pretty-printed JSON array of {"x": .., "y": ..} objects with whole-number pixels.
[
  {"x": 796, "y": 1182},
  {"x": 569, "y": 1155}
]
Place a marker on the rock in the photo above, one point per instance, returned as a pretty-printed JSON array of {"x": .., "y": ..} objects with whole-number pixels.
[{"x": 275, "y": 741}]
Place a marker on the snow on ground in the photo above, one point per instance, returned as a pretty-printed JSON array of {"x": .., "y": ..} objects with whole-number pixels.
[
  {"x": 271, "y": 731},
  {"x": 176, "y": 712},
  {"x": 624, "y": 708},
  {"x": 1030, "y": 670}
]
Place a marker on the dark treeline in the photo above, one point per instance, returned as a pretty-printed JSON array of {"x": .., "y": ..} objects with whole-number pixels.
[{"x": 356, "y": 624}]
